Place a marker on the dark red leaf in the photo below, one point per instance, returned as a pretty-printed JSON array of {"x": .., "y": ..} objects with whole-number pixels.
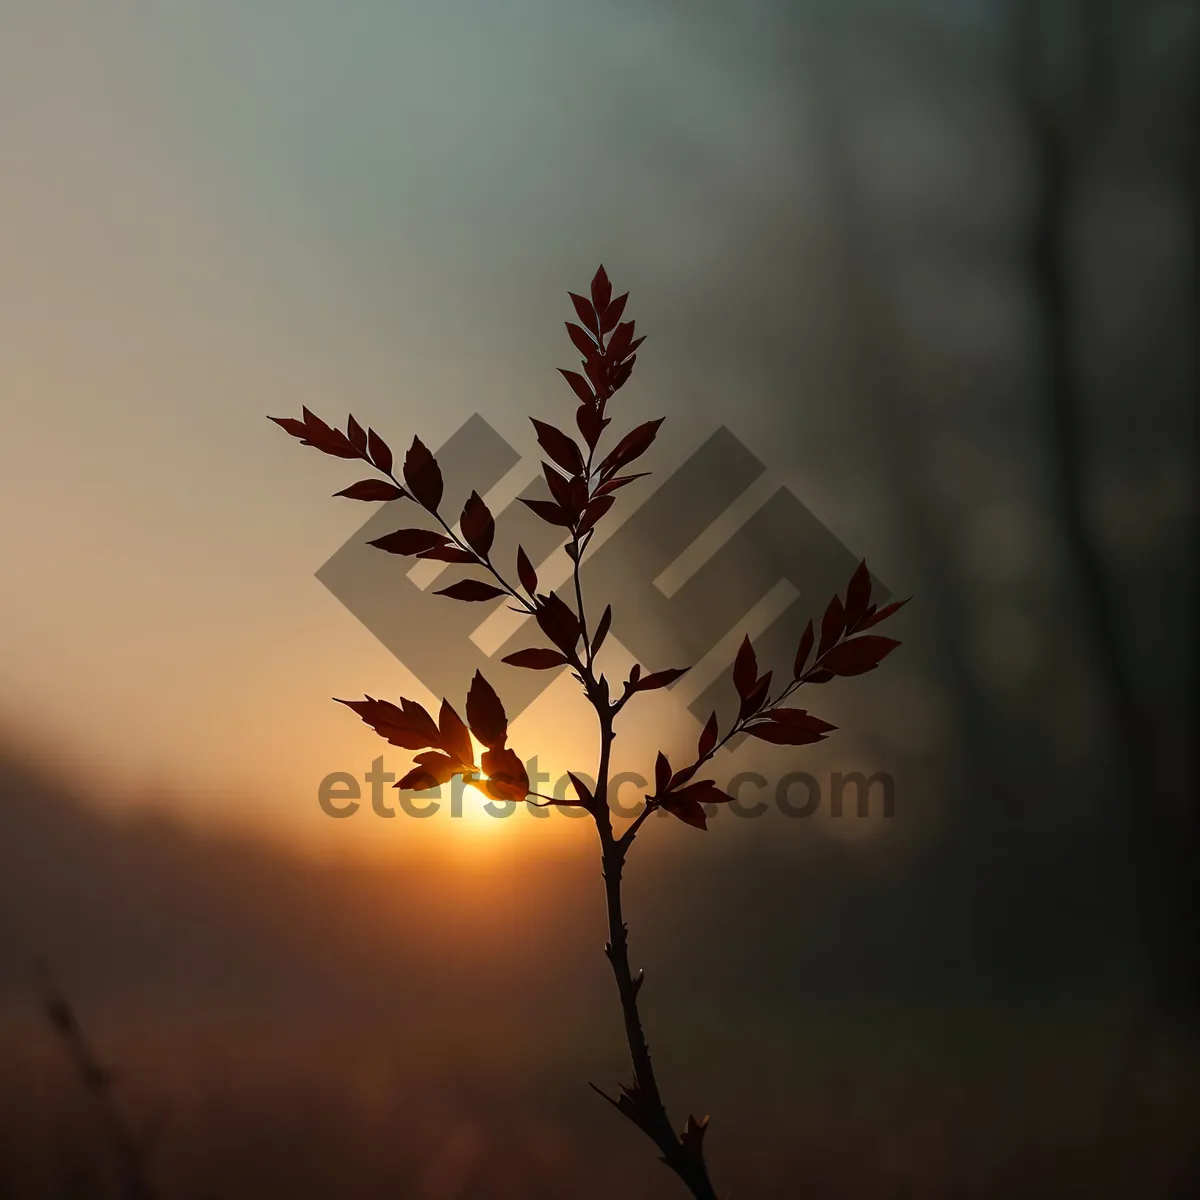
[
  {"x": 582, "y": 790},
  {"x": 372, "y": 489},
  {"x": 586, "y": 313},
  {"x": 478, "y": 527},
  {"x": 859, "y": 655},
  {"x": 803, "y": 651},
  {"x": 561, "y": 449},
  {"x": 579, "y": 386},
  {"x": 456, "y": 740},
  {"x": 432, "y": 770},
  {"x": 409, "y": 541},
  {"x": 858, "y": 596},
  {"x": 791, "y": 727},
  {"x": 601, "y": 289},
  {"x": 312, "y": 431},
  {"x": 525, "y": 572},
  {"x": 621, "y": 375},
  {"x": 558, "y": 622},
  {"x": 591, "y": 424},
  {"x": 832, "y": 625},
  {"x": 612, "y": 314},
  {"x": 819, "y": 676},
  {"x": 380, "y": 451},
  {"x": 423, "y": 476},
  {"x": 689, "y": 811},
  {"x": 602, "y": 629},
  {"x": 660, "y": 679},
  {"x": 882, "y": 615},
  {"x": 536, "y": 659},
  {"x": 681, "y": 777},
  {"x": 755, "y": 697},
  {"x": 580, "y": 339},
  {"x": 621, "y": 340},
  {"x": 593, "y": 513},
  {"x": 708, "y": 737},
  {"x": 631, "y": 446},
  {"x": 565, "y": 494},
  {"x": 485, "y": 714},
  {"x": 357, "y": 435},
  {"x": 408, "y": 726},
  {"x": 703, "y": 791},
  {"x": 619, "y": 482},
  {"x": 745, "y": 668},
  {"x": 662, "y": 773},
  {"x": 472, "y": 590},
  {"x": 506, "y": 775},
  {"x": 549, "y": 512}
]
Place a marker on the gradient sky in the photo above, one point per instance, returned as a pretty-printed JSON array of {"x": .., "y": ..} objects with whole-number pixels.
[{"x": 216, "y": 212}]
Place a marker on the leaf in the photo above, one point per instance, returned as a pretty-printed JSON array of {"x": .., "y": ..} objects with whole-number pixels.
[
  {"x": 449, "y": 553},
  {"x": 660, "y": 679},
  {"x": 602, "y": 629},
  {"x": 708, "y": 737},
  {"x": 832, "y": 625},
  {"x": 745, "y": 668},
  {"x": 357, "y": 435},
  {"x": 312, "y": 431},
  {"x": 591, "y": 424},
  {"x": 566, "y": 495},
  {"x": 619, "y": 482},
  {"x": 593, "y": 513},
  {"x": 818, "y": 677},
  {"x": 485, "y": 714},
  {"x": 882, "y": 615},
  {"x": 473, "y": 591},
  {"x": 704, "y": 791},
  {"x": 582, "y": 790},
  {"x": 456, "y": 739},
  {"x": 612, "y": 314},
  {"x": 409, "y": 541},
  {"x": 859, "y": 655},
  {"x": 432, "y": 770},
  {"x": 477, "y": 525},
  {"x": 601, "y": 289},
  {"x": 380, "y": 451},
  {"x": 506, "y": 775},
  {"x": 408, "y": 726},
  {"x": 536, "y": 659},
  {"x": 372, "y": 489},
  {"x": 423, "y": 476},
  {"x": 634, "y": 444},
  {"x": 803, "y": 651},
  {"x": 582, "y": 340},
  {"x": 791, "y": 727},
  {"x": 858, "y": 595},
  {"x": 558, "y": 622},
  {"x": 689, "y": 811},
  {"x": 579, "y": 386},
  {"x": 548, "y": 511},
  {"x": 561, "y": 449},
  {"x": 586, "y": 313},
  {"x": 662, "y": 773},
  {"x": 525, "y": 571},
  {"x": 754, "y": 699}
]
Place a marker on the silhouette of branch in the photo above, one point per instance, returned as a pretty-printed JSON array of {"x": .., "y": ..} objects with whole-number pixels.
[{"x": 131, "y": 1148}]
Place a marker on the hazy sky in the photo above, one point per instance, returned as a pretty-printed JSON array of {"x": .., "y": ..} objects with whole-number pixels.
[{"x": 216, "y": 212}]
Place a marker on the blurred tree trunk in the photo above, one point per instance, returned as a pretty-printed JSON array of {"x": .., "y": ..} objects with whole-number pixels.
[{"x": 1061, "y": 111}]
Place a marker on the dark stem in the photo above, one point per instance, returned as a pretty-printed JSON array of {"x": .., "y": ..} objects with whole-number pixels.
[{"x": 642, "y": 1103}]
